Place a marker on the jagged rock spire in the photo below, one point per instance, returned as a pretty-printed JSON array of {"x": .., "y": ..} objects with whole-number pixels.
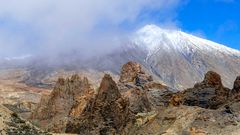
[
  {"x": 63, "y": 101},
  {"x": 108, "y": 112},
  {"x": 108, "y": 89}
]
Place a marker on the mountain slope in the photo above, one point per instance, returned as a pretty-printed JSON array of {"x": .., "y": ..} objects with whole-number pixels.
[
  {"x": 177, "y": 58},
  {"x": 173, "y": 57}
]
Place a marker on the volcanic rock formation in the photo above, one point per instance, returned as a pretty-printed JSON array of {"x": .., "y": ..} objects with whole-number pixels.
[
  {"x": 139, "y": 105},
  {"x": 131, "y": 84},
  {"x": 107, "y": 113},
  {"x": 235, "y": 92},
  {"x": 207, "y": 109},
  {"x": 236, "y": 86},
  {"x": 143, "y": 92},
  {"x": 114, "y": 108},
  {"x": 132, "y": 72},
  {"x": 67, "y": 99},
  {"x": 210, "y": 93}
]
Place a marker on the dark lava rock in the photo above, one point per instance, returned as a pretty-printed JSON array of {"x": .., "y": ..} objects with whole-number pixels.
[{"x": 210, "y": 93}]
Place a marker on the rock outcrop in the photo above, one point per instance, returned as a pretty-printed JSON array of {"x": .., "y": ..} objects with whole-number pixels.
[
  {"x": 212, "y": 79},
  {"x": 191, "y": 120},
  {"x": 235, "y": 92},
  {"x": 236, "y": 86},
  {"x": 139, "y": 100},
  {"x": 115, "y": 107},
  {"x": 72, "y": 106},
  {"x": 144, "y": 94},
  {"x": 132, "y": 73},
  {"x": 107, "y": 113},
  {"x": 132, "y": 85},
  {"x": 67, "y": 99},
  {"x": 210, "y": 93},
  {"x": 139, "y": 105}
]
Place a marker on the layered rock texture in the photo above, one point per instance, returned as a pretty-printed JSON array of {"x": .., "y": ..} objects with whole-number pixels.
[{"x": 210, "y": 93}]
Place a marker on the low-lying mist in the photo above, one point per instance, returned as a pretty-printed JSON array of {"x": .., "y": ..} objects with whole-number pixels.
[{"x": 58, "y": 31}]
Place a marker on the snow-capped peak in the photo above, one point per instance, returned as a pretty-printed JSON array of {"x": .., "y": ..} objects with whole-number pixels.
[
  {"x": 154, "y": 29},
  {"x": 153, "y": 38}
]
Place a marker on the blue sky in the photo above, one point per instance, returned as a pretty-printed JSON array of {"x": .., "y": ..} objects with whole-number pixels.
[
  {"x": 215, "y": 20},
  {"x": 31, "y": 27}
]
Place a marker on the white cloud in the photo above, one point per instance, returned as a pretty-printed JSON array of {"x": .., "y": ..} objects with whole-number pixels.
[{"x": 68, "y": 23}]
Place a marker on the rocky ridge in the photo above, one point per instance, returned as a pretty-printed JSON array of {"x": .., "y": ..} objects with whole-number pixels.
[
  {"x": 137, "y": 104},
  {"x": 73, "y": 105}
]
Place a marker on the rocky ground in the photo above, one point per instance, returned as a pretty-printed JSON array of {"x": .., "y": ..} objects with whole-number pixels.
[
  {"x": 13, "y": 90},
  {"x": 72, "y": 98},
  {"x": 135, "y": 104},
  {"x": 12, "y": 124}
]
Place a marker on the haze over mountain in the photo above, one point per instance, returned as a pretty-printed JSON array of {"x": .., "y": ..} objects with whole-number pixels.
[
  {"x": 172, "y": 56},
  {"x": 177, "y": 58},
  {"x": 105, "y": 67}
]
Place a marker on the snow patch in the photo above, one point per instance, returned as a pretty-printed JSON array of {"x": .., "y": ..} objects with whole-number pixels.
[{"x": 153, "y": 38}]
